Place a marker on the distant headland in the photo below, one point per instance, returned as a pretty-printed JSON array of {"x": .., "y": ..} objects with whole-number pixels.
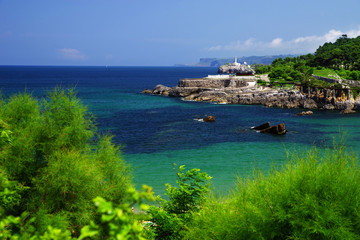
[
  {"x": 244, "y": 87},
  {"x": 328, "y": 79},
  {"x": 217, "y": 62}
]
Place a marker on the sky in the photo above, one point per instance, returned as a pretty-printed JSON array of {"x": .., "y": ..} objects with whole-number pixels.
[{"x": 166, "y": 32}]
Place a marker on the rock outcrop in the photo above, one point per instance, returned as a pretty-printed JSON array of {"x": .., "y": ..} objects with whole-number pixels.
[
  {"x": 147, "y": 91},
  {"x": 236, "y": 90},
  {"x": 262, "y": 126},
  {"x": 209, "y": 119},
  {"x": 161, "y": 90},
  {"x": 305, "y": 113},
  {"x": 348, "y": 111},
  {"x": 266, "y": 128},
  {"x": 277, "y": 129}
]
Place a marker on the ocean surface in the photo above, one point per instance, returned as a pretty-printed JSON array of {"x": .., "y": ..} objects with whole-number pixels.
[{"x": 156, "y": 132}]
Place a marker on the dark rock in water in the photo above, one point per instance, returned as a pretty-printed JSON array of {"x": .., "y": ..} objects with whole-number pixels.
[
  {"x": 209, "y": 119},
  {"x": 147, "y": 91},
  {"x": 305, "y": 113},
  {"x": 347, "y": 111},
  {"x": 262, "y": 126},
  {"x": 277, "y": 129},
  {"x": 266, "y": 128}
]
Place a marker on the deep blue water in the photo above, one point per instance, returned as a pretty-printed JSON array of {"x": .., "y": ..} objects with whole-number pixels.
[{"x": 157, "y": 131}]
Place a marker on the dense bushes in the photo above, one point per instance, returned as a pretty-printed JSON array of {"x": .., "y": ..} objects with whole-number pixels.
[
  {"x": 343, "y": 53},
  {"x": 312, "y": 197},
  {"x": 52, "y": 155},
  {"x": 341, "y": 56},
  {"x": 348, "y": 74}
]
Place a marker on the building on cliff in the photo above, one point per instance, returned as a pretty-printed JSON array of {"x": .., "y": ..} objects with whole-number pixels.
[{"x": 237, "y": 69}]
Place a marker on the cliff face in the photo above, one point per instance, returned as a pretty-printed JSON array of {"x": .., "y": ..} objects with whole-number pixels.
[
  {"x": 237, "y": 92},
  {"x": 231, "y": 82}
]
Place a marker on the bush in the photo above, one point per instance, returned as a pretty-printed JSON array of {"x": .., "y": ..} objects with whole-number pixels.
[
  {"x": 51, "y": 150},
  {"x": 313, "y": 197},
  {"x": 170, "y": 219}
]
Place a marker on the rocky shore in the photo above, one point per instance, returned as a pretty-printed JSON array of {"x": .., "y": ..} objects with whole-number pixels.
[{"x": 239, "y": 90}]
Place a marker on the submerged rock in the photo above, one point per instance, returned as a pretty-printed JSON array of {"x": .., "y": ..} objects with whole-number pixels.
[
  {"x": 209, "y": 119},
  {"x": 266, "y": 128},
  {"x": 262, "y": 126},
  {"x": 305, "y": 113},
  {"x": 147, "y": 91},
  {"x": 277, "y": 129},
  {"x": 347, "y": 111}
]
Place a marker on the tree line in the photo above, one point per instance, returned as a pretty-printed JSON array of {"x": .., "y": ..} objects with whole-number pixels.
[{"x": 342, "y": 57}]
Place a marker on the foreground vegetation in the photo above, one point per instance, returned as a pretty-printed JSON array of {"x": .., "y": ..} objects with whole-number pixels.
[
  {"x": 314, "y": 196},
  {"x": 53, "y": 164},
  {"x": 60, "y": 179}
]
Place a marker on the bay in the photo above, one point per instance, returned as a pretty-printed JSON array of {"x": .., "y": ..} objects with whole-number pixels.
[{"x": 155, "y": 132}]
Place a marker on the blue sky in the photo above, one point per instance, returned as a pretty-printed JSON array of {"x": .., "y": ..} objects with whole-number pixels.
[{"x": 166, "y": 32}]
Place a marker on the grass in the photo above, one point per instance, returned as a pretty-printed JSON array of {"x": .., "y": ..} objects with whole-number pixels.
[
  {"x": 325, "y": 72},
  {"x": 314, "y": 196}
]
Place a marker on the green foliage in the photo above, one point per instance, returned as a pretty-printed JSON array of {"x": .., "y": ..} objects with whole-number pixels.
[
  {"x": 290, "y": 71},
  {"x": 343, "y": 53},
  {"x": 261, "y": 82},
  {"x": 117, "y": 222},
  {"x": 112, "y": 223},
  {"x": 349, "y": 74},
  {"x": 170, "y": 219},
  {"x": 355, "y": 91},
  {"x": 50, "y": 148},
  {"x": 10, "y": 194},
  {"x": 325, "y": 72},
  {"x": 261, "y": 68},
  {"x": 313, "y": 82},
  {"x": 314, "y": 196},
  {"x": 339, "y": 58}
]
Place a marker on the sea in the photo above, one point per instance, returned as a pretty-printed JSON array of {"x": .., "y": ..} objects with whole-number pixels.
[{"x": 156, "y": 132}]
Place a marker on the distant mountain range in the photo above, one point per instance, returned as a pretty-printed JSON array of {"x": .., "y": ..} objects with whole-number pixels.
[{"x": 217, "y": 62}]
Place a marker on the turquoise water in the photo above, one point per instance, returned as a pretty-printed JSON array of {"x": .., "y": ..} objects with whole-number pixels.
[
  {"x": 226, "y": 161},
  {"x": 155, "y": 132}
]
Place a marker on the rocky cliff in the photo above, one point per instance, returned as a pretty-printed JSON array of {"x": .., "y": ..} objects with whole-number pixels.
[
  {"x": 220, "y": 91},
  {"x": 240, "y": 69}
]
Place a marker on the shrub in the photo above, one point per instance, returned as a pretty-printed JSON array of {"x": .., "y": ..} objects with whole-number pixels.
[
  {"x": 312, "y": 197},
  {"x": 172, "y": 216},
  {"x": 51, "y": 148}
]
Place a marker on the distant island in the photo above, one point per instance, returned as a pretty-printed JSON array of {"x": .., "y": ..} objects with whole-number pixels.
[{"x": 217, "y": 62}]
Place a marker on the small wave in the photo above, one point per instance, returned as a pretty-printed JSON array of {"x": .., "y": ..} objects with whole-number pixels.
[
  {"x": 218, "y": 103},
  {"x": 199, "y": 119},
  {"x": 185, "y": 100}
]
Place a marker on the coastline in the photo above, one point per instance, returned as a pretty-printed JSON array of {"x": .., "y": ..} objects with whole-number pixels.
[{"x": 246, "y": 91}]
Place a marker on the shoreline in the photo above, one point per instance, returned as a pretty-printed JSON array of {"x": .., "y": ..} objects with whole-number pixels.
[{"x": 246, "y": 91}]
